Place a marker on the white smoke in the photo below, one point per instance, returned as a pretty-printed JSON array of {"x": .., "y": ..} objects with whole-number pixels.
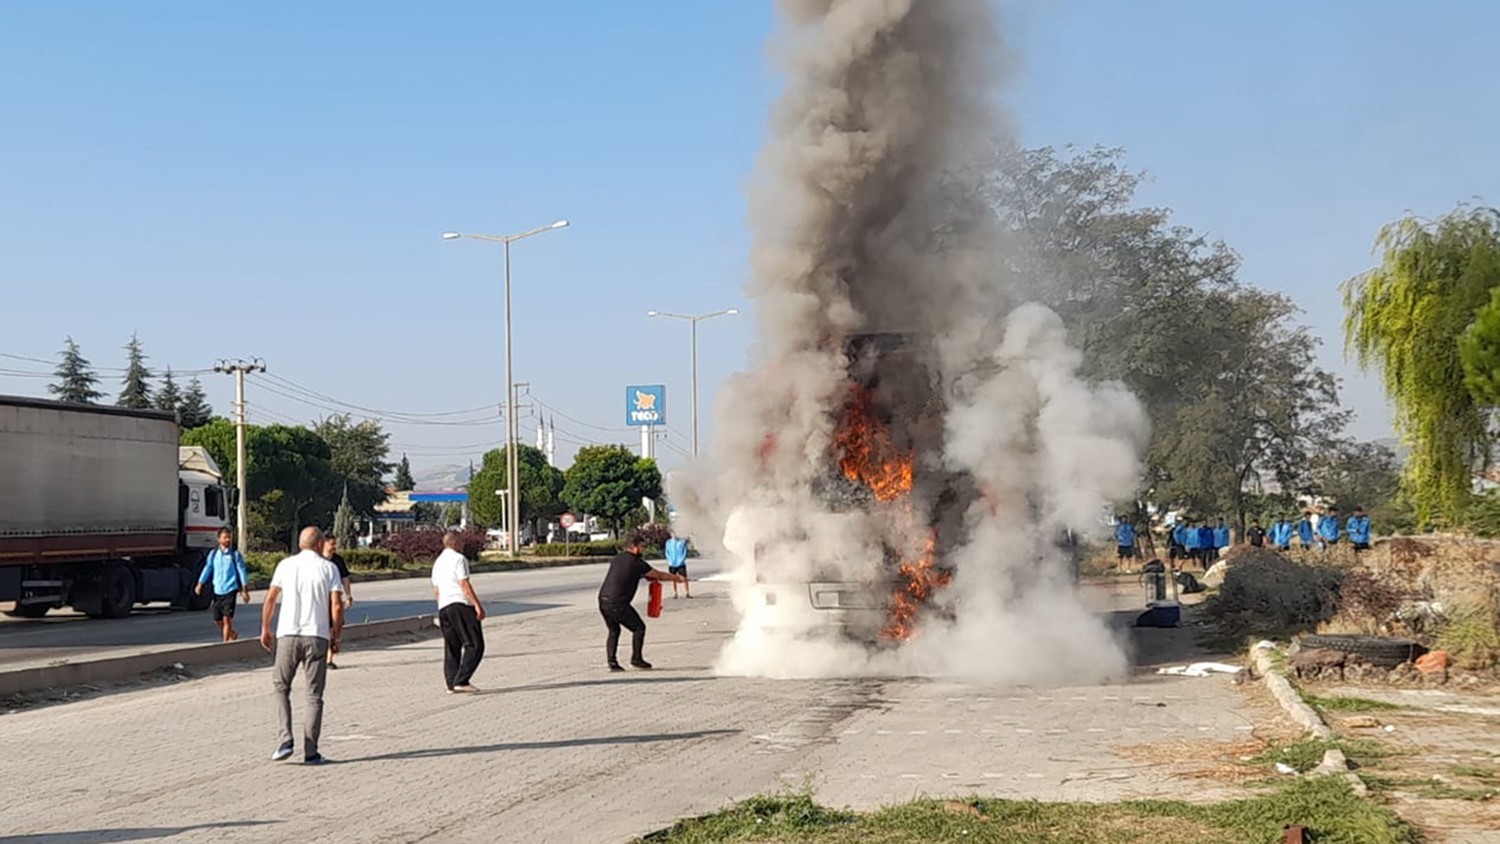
[{"x": 859, "y": 231}]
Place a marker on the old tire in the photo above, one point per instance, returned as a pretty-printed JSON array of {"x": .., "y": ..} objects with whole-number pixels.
[
  {"x": 1380, "y": 651},
  {"x": 29, "y": 610},
  {"x": 119, "y": 592}
]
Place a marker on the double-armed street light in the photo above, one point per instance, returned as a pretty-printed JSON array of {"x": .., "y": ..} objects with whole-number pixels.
[
  {"x": 512, "y": 500},
  {"x": 693, "y": 320}
]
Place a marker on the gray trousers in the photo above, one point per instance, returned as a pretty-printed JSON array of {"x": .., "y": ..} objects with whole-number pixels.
[{"x": 311, "y": 653}]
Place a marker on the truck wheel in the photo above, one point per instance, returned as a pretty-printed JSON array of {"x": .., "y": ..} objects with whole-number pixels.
[
  {"x": 119, "y": 592},
  {"x": 28, "y": 611}
]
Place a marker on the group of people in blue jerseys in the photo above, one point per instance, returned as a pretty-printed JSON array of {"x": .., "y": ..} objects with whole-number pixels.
[
  {"x": 1203, "y": 542},
  {"x": 1328, "y": 531}
]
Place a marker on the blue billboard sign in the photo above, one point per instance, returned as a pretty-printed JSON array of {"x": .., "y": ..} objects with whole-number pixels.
[{"x": 646, "y": 405}]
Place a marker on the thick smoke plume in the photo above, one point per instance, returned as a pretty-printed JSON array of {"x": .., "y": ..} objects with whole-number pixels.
[{"x": 912, "y": 436}]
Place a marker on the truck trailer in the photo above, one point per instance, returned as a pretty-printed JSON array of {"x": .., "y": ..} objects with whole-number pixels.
[{"x": 101, "y": 509}]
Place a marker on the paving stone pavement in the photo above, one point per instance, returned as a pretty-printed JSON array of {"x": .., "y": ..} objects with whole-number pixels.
[{"x": 558, "y": 749}]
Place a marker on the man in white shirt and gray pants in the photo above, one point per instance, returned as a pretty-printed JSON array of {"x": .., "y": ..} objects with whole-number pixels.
[
  {"x": 459, "y": 614},
  {"x": 306, "y": 633}
]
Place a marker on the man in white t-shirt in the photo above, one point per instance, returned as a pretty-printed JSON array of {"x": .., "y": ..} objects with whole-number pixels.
[
  {"x": 459, "y": 614},
  {"x": 307, "y": 631}
]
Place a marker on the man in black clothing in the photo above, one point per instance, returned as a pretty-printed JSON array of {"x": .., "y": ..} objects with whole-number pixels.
[
  {"x": 331, "y": 554},
  {"x": 1257, "y": 534},
  {"x": 618, "y": 590}
]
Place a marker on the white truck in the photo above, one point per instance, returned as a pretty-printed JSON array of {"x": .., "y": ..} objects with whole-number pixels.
[{"x": 101, "y": 509}]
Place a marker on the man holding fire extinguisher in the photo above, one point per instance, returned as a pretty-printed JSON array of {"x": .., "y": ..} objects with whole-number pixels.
[{"x": 625, "y": 572}]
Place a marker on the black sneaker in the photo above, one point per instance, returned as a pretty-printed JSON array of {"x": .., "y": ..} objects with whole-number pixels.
[
  {"x": 640, "y": 663},
  {"x": 282, "y": 752},
  {"x": 315, "y": 759},
  {"x": 615, "y": 666}
]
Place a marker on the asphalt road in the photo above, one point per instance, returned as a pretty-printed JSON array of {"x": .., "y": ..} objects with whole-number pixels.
[
  {"x": 65, "y": 635},
  {"x": 559, "y": 749}
]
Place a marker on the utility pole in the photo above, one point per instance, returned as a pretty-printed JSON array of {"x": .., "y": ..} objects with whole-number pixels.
[{"x": 239, "y": 368}]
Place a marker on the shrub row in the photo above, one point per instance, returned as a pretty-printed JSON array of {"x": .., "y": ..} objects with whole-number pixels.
[{"x": 424, "y": 544}]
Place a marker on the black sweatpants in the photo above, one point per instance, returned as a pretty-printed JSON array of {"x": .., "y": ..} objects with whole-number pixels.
[
  {"x": 463, "y": 640},
  {"x": 618, "y": 615}
]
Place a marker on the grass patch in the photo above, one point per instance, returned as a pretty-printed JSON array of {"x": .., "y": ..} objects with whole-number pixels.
[
  {"x": 1428, "y": 789},
  {"x": 1473, "y": 773},
  {"x": 1325, "y": 805},
  {"x": 1306, "y": 755},
  {"x": 1339, "y": 703}
]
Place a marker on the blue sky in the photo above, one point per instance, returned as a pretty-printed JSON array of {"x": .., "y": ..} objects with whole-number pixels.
[{"x": 270, "y": 179}]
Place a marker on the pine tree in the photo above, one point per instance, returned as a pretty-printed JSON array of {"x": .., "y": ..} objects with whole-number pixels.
[
  {"x": 194, "y": 411},
  {"x": 137, "y": 381},
  {"x": 404, "y": 480},
  {"x": 343, "y": 522},
  {"x": 75, "y": 379},
  {"x": 168, "y": 397}
]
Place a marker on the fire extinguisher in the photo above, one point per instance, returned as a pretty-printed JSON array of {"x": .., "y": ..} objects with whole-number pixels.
[{"x": 653, "y": 608}]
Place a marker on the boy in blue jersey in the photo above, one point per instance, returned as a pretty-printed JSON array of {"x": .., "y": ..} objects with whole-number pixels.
[
  {"x": 1124, "y": 541},
  {"x": 676, "y": 552},
  {"x": 225, "y": 568},
  {"x": 1221, "y": 536}
]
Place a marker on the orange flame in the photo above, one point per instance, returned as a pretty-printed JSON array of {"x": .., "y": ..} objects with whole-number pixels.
[
  {"x": 920, "y": 578},
  {"x": 867, "y": 452}
]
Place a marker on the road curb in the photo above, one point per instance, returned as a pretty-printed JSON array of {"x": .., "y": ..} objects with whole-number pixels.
[
  {"x": 1334, "y": 761},
  {"x": 122, "y": 668}
]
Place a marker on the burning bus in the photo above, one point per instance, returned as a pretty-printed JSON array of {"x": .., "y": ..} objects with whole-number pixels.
[{"x": 869, "y": 565}]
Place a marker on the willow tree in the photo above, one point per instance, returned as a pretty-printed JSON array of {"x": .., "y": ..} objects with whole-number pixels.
[{"x": 1406, "y": 318}]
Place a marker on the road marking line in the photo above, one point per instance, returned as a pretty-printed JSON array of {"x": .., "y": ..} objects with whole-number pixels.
[
  {"x": 1024, "y": 730},
  {"x": 954, "y": 732},
  {"x": 1096, "y": 729},
  {"x": 990, "y": 776},
  {"x": 911, "y": 776},
  {"x": 917, "y": 733}
]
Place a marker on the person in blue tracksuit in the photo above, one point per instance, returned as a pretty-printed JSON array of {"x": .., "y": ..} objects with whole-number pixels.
[
  {"x": 1221, "y": 536},
  {"x": 1175, "y": 548},
  {"x": 1305, "y": 531},
  {"x": 1190, "y": 541},
  {"x": 1206, "y": 550},
  {"x": 1329, "y": 528},
  {"x": 1281, "y": 534},
  {"x": 1358, "y": 528},
  {"x": 1124, "y": 540}
]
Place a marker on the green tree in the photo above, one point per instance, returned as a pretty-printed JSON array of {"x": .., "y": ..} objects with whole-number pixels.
[
  {"x": 1226, "y": 376},
  {"x": 136, "y": 392},
  {"x": 541, "y": 487},
  {"x": 1368, "y": 475},
  {"x": 404, "y": 481},
  {"x": 194, "y": 409},
  {"x": 609, "y": 482},
  {"x": 169, "y": 396},
  {"x": 291, "y": 480},
  {"x": 359, "y": 452},
  {"x": 345, "y": 522},
  {"x": 1406, "y": 318},
  {"x": 76, "y": 381},
  {"x": 289, "y": 477},
  {"x": 1479, "y": 349}
]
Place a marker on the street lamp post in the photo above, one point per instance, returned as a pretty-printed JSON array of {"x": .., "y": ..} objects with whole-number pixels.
[
  {"x": 693, "y": 320},
  {"x": 512, "y": 502}
]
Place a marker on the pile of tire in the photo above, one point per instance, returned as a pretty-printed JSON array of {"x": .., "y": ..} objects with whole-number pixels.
[{"x": 1379, "y": 651}]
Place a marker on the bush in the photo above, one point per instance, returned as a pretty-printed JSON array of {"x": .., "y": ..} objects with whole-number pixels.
[
  {"x": 263, "y": 562},
  {"x": 424, "y": 544},
  {"x": 1267, "y": 593},
  {"x": 371, "y": 558}
]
